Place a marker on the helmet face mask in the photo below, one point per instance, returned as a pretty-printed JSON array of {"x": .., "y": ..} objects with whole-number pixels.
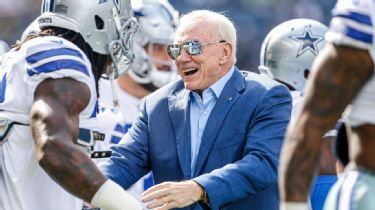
[
  {"x": 289, "y": 50},
  {"x": 121, "y": 50},
  {"x": 157, "y": 24},
  {"x": 106, "y": 26}
]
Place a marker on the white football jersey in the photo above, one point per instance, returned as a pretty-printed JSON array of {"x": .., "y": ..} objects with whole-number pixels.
[
  {"x": 297, "y": 99},
  {"x": 24, "y": 184},
  {"x": 129, "y": 108},
  {"x": 128, "y": 104},
  {"x": 111, "y": 124},
  {"x": 353, "y": 25}
]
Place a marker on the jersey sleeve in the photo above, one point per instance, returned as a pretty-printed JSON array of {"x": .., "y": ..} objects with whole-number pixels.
[
  {"x": 352, "y": 24},
  {"x": 55, "y": 58}
]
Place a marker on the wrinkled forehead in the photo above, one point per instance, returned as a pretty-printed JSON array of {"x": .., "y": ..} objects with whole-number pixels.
[{"x": 195, "y": 30}]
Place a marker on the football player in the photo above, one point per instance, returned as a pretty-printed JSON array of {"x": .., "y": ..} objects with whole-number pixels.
[
  {"x": 344, "y": 74},
  {"x": 287, "y": 54},
  {"x": 48, "y": 98}
]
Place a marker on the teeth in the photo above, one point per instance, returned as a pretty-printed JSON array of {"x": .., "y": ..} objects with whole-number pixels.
[{"x": 189, "y": 70}]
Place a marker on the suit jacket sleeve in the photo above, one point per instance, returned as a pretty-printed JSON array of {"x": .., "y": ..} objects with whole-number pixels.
[
  {"x": 129, "y": 160},
  {"x": 258, "y": 168}
]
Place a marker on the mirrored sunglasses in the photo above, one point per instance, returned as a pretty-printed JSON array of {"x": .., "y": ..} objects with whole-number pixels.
[{"x": 192, "y": 47}]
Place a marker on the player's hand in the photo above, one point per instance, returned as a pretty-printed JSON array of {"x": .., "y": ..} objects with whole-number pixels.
[{"x": 170, "y": 195}]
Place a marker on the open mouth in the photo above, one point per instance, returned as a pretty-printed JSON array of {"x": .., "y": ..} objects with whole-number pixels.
[{"x": 190, "y": 71}]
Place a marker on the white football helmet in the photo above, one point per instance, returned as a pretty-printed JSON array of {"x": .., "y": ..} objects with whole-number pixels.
[
  {"x": 3, "y": 47},
  {"x": 157, "y": 24},
  {"x": 289, "y": 50},
  {"x": 107, "y": 26},
  {"x": 31, "y": 29}
]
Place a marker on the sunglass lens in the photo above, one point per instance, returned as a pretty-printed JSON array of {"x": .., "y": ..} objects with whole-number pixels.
[
  {"x": 173, "y": 51},
  {"x": 193, "y": 47}
]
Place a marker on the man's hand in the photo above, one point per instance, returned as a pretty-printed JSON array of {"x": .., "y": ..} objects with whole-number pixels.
[{"x": 170, "y": 195}]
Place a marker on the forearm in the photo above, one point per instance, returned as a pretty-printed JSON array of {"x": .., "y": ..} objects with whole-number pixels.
[
  {"x": 298, "y": 167},
  {"x": 54, "y": 122},
  {"x": 71, "y": 168},
  {"x": 76, "y": 173}
]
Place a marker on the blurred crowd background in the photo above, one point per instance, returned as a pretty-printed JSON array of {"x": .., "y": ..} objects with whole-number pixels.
[{"x": 253, "y": 19}]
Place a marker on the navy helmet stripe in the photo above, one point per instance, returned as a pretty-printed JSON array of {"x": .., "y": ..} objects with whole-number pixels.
[
  {"x": 50, "y": 53},
  {"x": 359, "y": 35},
  {"x": 117, "y": 5},
  {"x": 52, "y": 6},
  {"x": 355, "y": 16},
  {"x": 48, "y": 6},
  {"x": 44, "y": 6},
  {"x": 59, "y": 65}
]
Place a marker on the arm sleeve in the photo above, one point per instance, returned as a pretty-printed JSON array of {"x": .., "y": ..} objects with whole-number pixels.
[
  {"x": 352, "y": 24},
  {"x": 258, "y": 168},
  {"x": 54, "y": 58}
]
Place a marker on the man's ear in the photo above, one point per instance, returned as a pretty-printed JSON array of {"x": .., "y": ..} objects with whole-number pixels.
[{"x": 226, "y": 53}]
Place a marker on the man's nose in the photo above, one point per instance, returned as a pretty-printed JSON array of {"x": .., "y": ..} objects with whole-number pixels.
[{"x": 184, "y": 56}]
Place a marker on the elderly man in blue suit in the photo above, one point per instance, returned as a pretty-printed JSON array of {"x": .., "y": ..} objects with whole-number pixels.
[{"x": 212, "y": 139}]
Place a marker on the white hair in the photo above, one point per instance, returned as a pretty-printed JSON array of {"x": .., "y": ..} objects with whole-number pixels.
[{"x": 221, "y": 23}]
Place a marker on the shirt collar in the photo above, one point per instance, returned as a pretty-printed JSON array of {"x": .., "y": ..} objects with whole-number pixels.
[{"x": 218, "y": 86}]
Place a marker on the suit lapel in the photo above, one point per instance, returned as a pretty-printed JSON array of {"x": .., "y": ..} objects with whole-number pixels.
[
  {"x": 227, "y": 99},
  {"x": 179, "y": 112}
]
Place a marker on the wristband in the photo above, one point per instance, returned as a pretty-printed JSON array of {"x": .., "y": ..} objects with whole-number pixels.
[
  {"x": 112, "y": 196},
  {"x": 294, "y": 206}
]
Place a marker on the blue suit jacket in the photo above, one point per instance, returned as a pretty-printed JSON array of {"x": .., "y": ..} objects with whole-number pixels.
[{"x": 239, "y": 154}]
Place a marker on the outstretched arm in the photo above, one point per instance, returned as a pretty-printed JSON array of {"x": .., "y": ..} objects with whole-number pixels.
[
  {"x": 340, "y": 74},
  {"x": 54, "y": 121}
]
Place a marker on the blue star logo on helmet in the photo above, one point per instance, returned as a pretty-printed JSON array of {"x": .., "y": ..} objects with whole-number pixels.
[
  {"x": 117, "y": 5},
  {"x": 308, "y": 42}
]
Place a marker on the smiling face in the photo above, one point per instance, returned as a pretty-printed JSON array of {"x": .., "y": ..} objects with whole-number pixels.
[{"x": 201, "y": 71}]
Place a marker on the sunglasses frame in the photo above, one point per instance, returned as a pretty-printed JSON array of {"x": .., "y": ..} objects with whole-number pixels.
[{"x": 191, "y": 47}]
